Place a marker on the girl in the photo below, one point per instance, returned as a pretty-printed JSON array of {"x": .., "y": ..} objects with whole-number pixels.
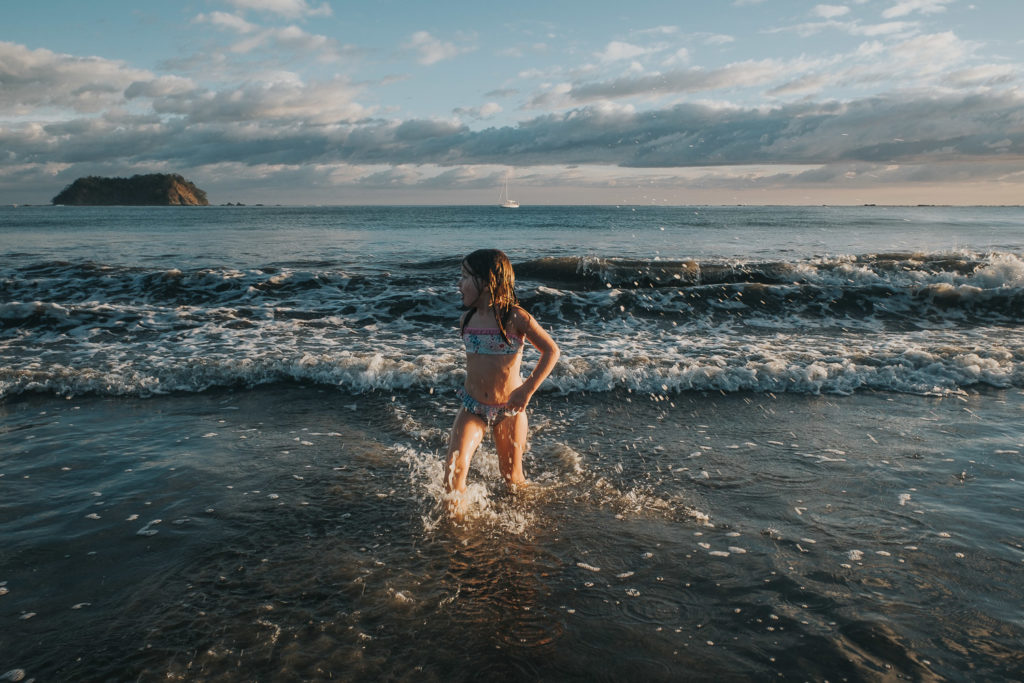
[{"x": 494, "y": 330}]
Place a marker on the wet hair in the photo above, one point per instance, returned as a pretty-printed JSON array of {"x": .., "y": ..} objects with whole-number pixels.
[{"x": 493, "y": 272}]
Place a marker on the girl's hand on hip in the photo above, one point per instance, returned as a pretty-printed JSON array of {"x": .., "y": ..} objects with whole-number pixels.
[{"x": 519, "y": 399}]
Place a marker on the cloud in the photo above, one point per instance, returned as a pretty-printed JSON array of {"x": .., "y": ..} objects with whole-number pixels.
[
  {"x": 918, "y": 61},
  {"x": 35, "y": 79},
  {"x": 284, "y": 38},
  {"x": 803, "y": 84},
  {"x": 288, "y": 100},
  {"x": 164, "y": 86},
  {"x": 431, "y": 50},
  {"x": 830, "y": 11},
  {"x": 617, "y": 50},
  {"x": 905, "y": 7},
  {"x": 463, "y": 177},
  {"x": 224, "y": 20},
  {"x": 875, "y": 130},
  {"x": 931, "y": 53},
  {"x": 984, "y": 75},
  {"x": 285, "y": 8},
  {"x": 288, "y": 38},
  {"x": 229, "y": 129},
  {"x": 484, "y": 111},
  {"x": 686, "y": 80},
  {"x": 396, "y": 176},
  {"x": 853, "y": 28},
  {"x": 884, "y": 29},
  {"x": 502, "y": 92},
  {"x": 664, "y": 30},
  {"x": 680, "y": 56},
  {"x": 718, "y": 39}
]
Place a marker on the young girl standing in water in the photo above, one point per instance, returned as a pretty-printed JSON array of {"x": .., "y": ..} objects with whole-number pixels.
[{"x": 494, "y": 330}]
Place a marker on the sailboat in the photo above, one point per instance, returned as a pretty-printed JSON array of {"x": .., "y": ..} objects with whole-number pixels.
[{"x": 506, "y": 202}]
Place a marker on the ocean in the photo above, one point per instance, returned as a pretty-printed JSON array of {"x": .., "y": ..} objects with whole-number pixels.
[{"x": 781, "y": 442}]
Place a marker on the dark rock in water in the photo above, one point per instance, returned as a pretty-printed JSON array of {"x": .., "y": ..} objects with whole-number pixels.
[{"x": 154, "y": 189}]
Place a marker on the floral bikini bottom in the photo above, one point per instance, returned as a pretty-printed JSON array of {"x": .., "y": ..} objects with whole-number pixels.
[{"x": 490, "y": 412}]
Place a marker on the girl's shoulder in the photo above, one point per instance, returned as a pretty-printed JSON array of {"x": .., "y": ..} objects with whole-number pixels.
[{"x": 519, "y": 318}]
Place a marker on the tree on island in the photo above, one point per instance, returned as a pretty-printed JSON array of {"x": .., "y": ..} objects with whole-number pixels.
[{"x": 154, "y": 189}]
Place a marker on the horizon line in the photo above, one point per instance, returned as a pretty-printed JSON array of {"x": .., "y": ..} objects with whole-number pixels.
[{"x": 241, "y": 205}]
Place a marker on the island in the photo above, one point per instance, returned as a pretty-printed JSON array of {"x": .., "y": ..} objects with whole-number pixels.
[{"x": 154, "y": 189}]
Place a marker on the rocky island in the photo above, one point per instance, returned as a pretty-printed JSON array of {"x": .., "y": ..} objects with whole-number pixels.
[{"x": 154, "y": 189}]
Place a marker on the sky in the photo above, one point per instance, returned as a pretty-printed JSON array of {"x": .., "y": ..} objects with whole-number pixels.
[{"x": 676, "y": 102}]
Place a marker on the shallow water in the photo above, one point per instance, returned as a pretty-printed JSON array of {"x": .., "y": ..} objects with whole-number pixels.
[
  {"x": 293, "y": 532},
  {"x": 780, "y": 442}
]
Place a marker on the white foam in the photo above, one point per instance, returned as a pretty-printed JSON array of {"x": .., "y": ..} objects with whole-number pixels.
[
  {"x": 571, "y": 460},
  {"x": 147, "y": 530},
  {"x": 251, "y": 328},
  {"x": 901, "y": 362},
  {"x": 477, "y": 503},
  {"x": 1002, "y": 270}
]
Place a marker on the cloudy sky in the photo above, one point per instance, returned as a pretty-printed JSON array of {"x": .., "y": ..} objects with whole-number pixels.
[{"x": 579, "y": 101}]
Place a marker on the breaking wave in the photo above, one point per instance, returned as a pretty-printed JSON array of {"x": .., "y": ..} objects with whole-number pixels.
[{"x": 920, "y": 323}]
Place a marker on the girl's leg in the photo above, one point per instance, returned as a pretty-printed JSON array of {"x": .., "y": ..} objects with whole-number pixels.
[
  {"x": 467, "y": 433},
  {"x": 510, "y": 442}
]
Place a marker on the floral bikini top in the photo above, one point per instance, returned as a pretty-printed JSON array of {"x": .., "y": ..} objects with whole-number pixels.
[{"x": 489, "y": 342}]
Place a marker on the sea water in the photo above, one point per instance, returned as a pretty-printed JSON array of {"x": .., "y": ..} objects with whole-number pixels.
[{"x": 780, "y": 441}]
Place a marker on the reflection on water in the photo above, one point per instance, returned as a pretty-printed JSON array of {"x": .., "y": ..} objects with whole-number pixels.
[{"x": 497, "y": 584}]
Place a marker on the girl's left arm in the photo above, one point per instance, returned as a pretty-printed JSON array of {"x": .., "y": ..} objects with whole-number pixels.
[{"x": 549, "y": 354}]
